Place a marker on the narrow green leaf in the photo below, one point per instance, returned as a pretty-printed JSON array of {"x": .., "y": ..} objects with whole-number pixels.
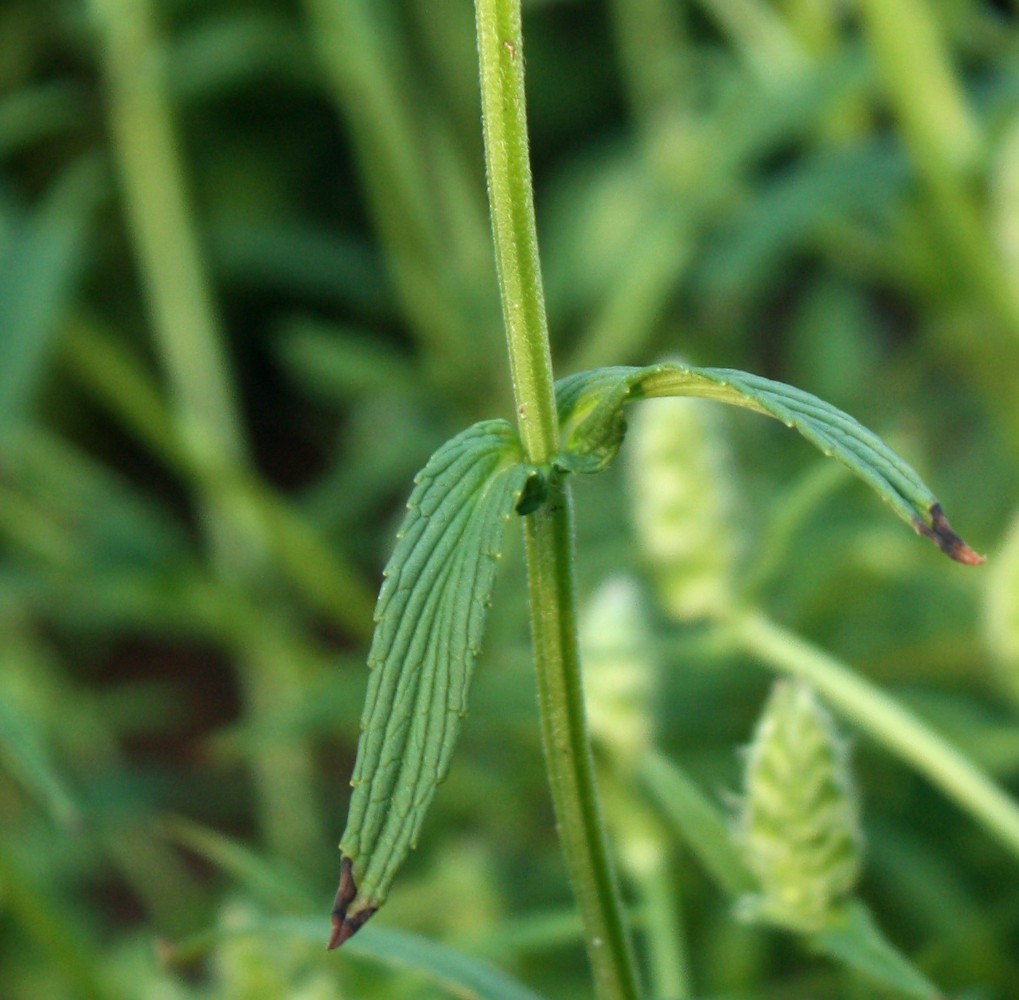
[
  {"x": 265, "y": 879},
  {"x": 41, "y": 265},
  {"x": 458, "y": 974},
  {"x": 112, "y": 522},
  {"x": 24, "y": 752},
  {"x": 429, "y": 622},
  {"x": 593, "y": 425},
  {"x": 857, "y": 942},
  {"x": 699, "y": 823}
]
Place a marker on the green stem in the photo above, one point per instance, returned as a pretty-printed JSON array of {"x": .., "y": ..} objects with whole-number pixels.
[
  {"x": 646, "y": 852},
  {"x": 548, "y": 539},
  {"x": 914, "y": 61},
  {"x": 887, "y": 722},
  {"x": 667, "y": 958},
  {"x": 943, "y": 136},
  {"x": 190, "y": 343},
  {"x": 654, "y": 59},
  {"x": 365, "y": 65},
  {"x": 548, "y": 532},
  {"x": 511, "y": 199},
  {"x": 176, "y": 288}
]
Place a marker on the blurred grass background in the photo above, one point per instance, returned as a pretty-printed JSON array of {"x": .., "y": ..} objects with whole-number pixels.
[{"x": 246, "y": 288}]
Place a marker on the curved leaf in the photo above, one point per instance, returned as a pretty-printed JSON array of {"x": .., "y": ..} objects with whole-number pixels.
[
  {"x": 591, "y": 413},
  {"x": 430, "y": 617},
  {"x": 856, "y": 942}
]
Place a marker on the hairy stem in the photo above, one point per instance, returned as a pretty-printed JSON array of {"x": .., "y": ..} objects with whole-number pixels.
[
  {"x": 511, "y": 199},
  {"x": 549, "y": 531},
  {"x": 549, "y": 547},
  {"x": 887, "y": 722}
]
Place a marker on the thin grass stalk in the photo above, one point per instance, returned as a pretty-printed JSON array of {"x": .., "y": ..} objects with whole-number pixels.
[
  {"x": 191, "y": 347},
  {"x": 944, "y": 138},
  {"x": 654, "y": 59},
  {"x": 431, "y": 227},
  {"x": 120, "y": 384},
  {"x": 668, "y": 965}
]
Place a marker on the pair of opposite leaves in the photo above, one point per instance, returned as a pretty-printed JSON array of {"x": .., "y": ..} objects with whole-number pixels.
[{"x": 433, "y": 602}]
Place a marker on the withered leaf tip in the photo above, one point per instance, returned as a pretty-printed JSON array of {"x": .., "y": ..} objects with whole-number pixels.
[
  {"x": 344, "y": 926},
  {"x": 941, "y": 534}
]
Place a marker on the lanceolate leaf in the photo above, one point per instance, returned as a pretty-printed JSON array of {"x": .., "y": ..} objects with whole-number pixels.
[
  {"x": 429, "y": 621},
  {"x": 591, "y": 413},
  {"x": 856, "y": 942}
]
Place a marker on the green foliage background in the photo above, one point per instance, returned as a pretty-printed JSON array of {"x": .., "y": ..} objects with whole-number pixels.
[{"x": 212, "y": 407}]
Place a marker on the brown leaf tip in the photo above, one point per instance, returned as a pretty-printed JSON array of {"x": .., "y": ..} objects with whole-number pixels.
[
  {"x": 941, "y": 534},
  {"x": 344, "y": 926}
]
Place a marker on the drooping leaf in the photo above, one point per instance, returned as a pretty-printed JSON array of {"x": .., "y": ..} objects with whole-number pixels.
[
  {"x": 593, "y": 425},
  {"x": 429, "y": 622}
]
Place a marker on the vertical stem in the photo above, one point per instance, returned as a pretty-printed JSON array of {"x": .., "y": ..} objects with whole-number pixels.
[
  {"x": 549, "y": 531},
  {"x": 943, "y": 137},
  {"x": 190, "y": 342},
  {"x": 364, "y": 66},
  {"x": 548, "y": 539},
  {"x": 176, "y": 288},
  {"x": 667, "y": 958},
  {"x": 511, "y": 198},
  {"x": 915, "y": 64},
  {"x": 646, "y": 852}
]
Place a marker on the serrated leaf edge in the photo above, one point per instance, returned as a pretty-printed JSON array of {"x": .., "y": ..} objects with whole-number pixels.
[
  {"x": 422, "y": 656},
  {"x": 588, "y": 400}
]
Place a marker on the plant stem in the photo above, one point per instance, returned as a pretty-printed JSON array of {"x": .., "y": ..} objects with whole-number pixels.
[
  {"x": 511, "y": 199},
  {"x": 943, "y": 136},
  {"x": 431, "y": 225},
  {"x": 190, "y": 343},
  {"x": 887, "y": 722},
  {"x": 654, "y": 59},
  {"x": 646, "y": 849},
  {"x": 548, "y": 532},
  {"x": 548, "y": 536}
]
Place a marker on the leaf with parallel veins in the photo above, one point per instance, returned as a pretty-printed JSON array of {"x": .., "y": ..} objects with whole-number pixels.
[
  {"x": 429, "y": 622},
  {"x": 593, "y": 425}
]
